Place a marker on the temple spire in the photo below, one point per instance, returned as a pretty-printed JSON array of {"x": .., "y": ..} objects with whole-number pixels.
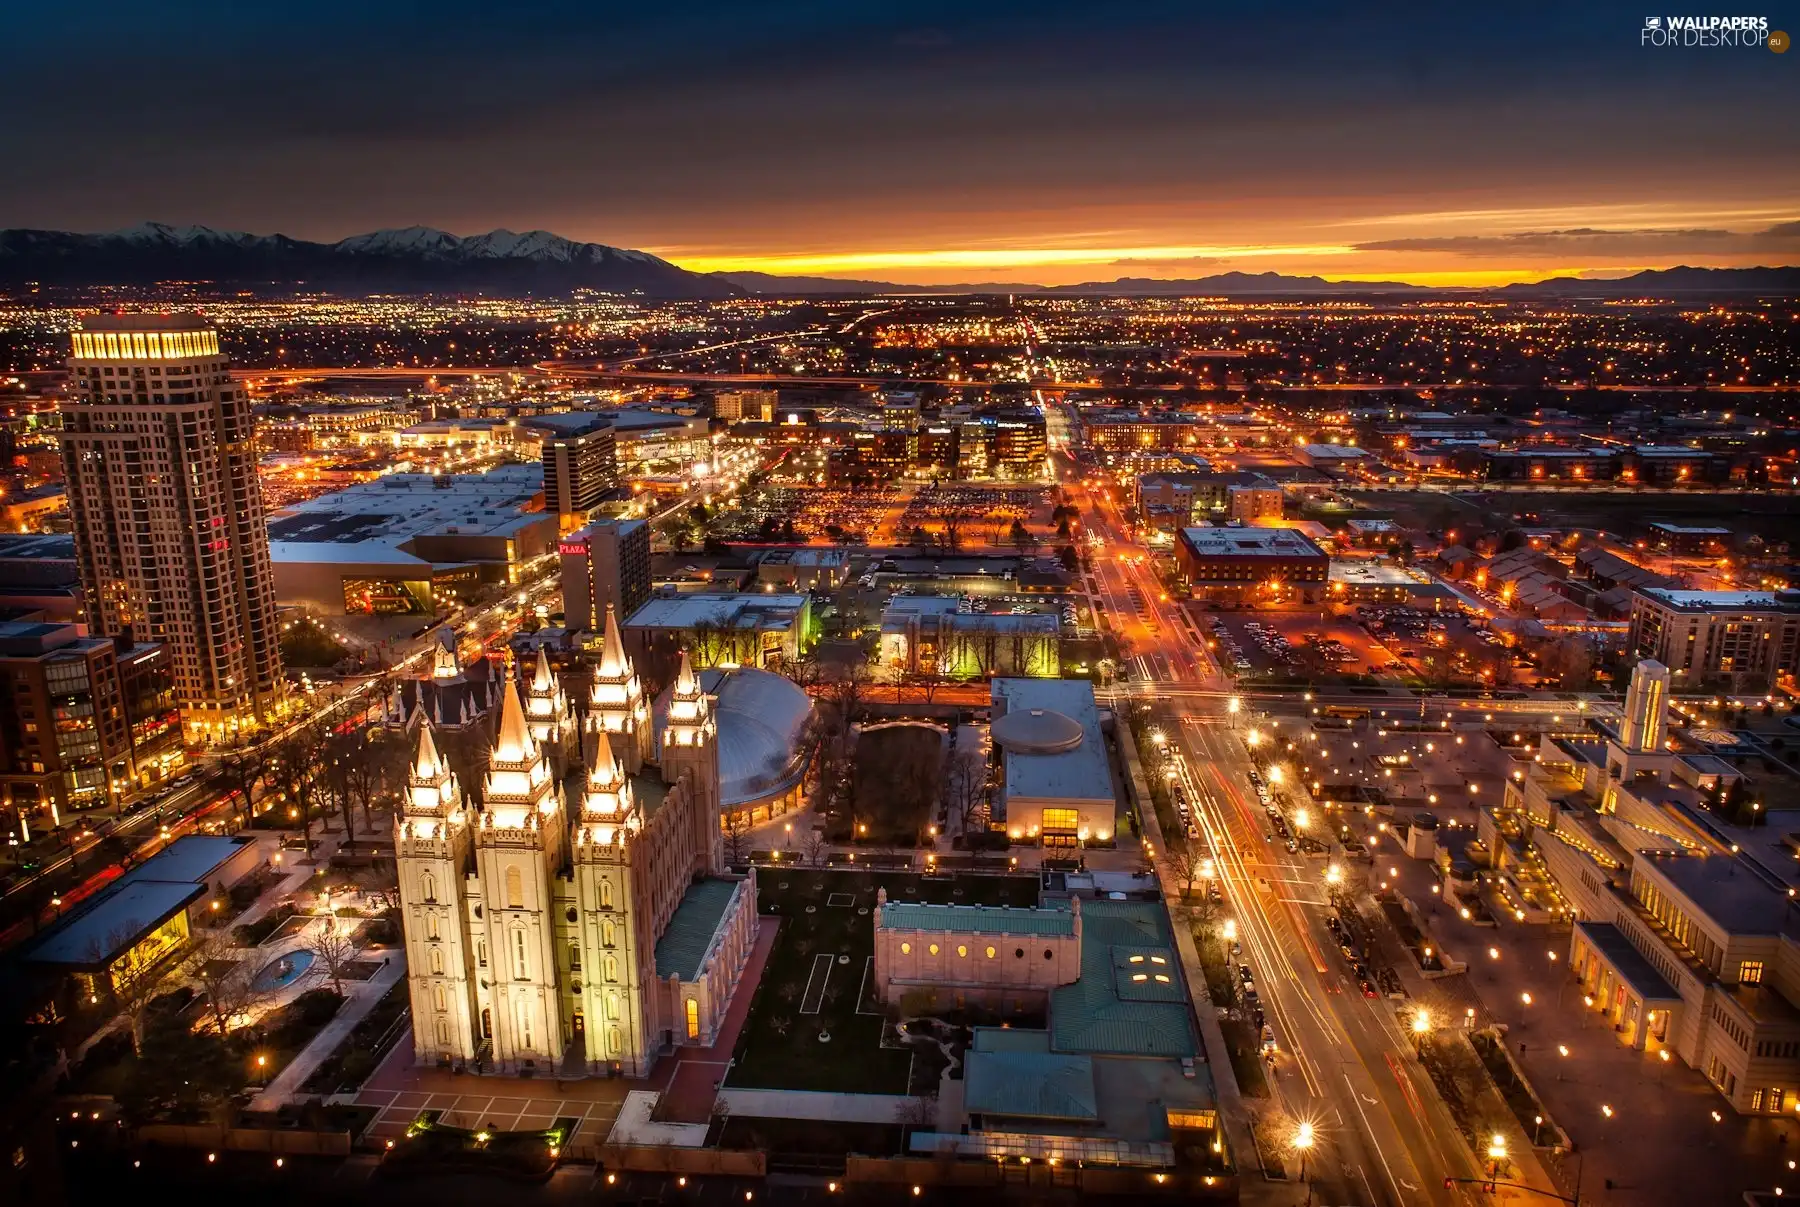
[
  {"x": 513, "y": 743},
  {"x": 612, "y": 649},
  {"x": 541, "y": 678},
  {"x": 427, "y": 762}
]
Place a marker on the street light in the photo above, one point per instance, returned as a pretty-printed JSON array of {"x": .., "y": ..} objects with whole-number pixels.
[
  {"x": 1303, "y": 1142},
  {"x": 1334, "y": 874},
  {"x": 1496, "y": 1154},
  {"x": 1421, "y": 1027}
]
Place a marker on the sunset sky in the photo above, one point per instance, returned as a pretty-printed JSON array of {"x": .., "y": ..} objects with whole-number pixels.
[{"x": 923, "y": 142}]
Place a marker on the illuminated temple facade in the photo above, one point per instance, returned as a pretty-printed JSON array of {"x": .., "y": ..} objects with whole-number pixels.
[{"x": 579, "y": 922}]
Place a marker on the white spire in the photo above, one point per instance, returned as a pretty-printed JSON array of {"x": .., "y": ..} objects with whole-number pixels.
[
  {"x": 427, "y": 762},
  {"x": 513, "y": 743},
  {"x": 613, "y": 663},
  {"x": 542, "y": 680},
  {"x": 687, "y": 685}
]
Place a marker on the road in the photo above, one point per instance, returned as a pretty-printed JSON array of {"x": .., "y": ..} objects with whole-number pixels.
[{"x": 1383, "y": 1137}]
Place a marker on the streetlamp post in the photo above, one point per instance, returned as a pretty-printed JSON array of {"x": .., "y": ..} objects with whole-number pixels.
[
  {"x": 1496, "y": 1156},
  {"x": 1421, "y": 1027},
  {"x": 1303, "y": 1142}
]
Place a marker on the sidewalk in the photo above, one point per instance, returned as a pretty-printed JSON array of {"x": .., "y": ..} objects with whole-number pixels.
[{"x": 359, "y": 1000}]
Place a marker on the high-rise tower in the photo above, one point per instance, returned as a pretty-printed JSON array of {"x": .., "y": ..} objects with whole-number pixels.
[{"x": 170, "y": 534}]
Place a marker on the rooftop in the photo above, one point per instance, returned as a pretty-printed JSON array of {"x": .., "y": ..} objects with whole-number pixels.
[
  {"x": 1050, "y": 919},
  {"x": 721, "y": 609},
  {"x": 684, "y": 944},
  {"x": 1627, "y": 961},
  {"x": 1094, "y": 1017},
  {"x": 1728, "y": 892},
  {"x": 1078, "y": 772},
  {"x": 374, "y": 521},
  {"x": 1250, "y": 542},
  {"x": 1029, "y": 1085},
  {"x": 1712, "y": 601}
]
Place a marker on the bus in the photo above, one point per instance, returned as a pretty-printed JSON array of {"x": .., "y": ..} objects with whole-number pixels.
[{"x": 1348, "y": 712}]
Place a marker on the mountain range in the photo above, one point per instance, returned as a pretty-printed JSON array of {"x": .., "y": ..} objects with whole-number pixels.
[
  {"x": 415, "y": 259},
  {"x": 421, "y": 259}
]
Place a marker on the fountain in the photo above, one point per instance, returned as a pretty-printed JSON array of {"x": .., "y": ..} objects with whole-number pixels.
[{"x": 282, "y": 971}]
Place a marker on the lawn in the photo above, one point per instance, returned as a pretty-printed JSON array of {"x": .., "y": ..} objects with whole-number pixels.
[{"x": 780, "y": 1047}]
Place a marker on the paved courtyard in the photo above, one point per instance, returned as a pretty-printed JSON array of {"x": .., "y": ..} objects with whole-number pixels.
[{"x": 1661, "y": 1144}]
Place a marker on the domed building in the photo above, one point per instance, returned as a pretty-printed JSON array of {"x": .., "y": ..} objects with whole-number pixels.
[
  {"x": 762, "y": 721},
  {"x": 1056, "y": 783}
]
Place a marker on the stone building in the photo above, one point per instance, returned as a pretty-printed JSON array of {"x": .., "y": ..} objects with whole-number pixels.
[{"x": 579, "y": 922}]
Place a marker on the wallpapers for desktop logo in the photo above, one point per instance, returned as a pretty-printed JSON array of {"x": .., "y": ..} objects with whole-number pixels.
[{"x": 1711, "y": 32}]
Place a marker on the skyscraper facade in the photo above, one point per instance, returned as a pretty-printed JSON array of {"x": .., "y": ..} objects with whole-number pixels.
[
  {"x": 170, "y": 532},
  {"x": 605, "y": 565}
]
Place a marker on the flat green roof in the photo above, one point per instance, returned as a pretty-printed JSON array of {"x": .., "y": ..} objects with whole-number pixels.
[
  {"x": 1051, "y": 918},
  {"x": 690, "y": 932}
]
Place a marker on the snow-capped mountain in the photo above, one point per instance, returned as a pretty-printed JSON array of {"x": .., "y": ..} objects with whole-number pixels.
[{"x": 413, "y": 258}]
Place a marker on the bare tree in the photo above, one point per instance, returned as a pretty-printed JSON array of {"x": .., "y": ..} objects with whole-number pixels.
[
  {"x": 135, "y": 992},
  {"x": 736, "y": 825},
  {"x": 334, "y": 946},
  {"x": 814, "y": 848},
  {"x": 1190, "y": 860},
  {"x": 965, "y": 788},
  {"x": 297, "y": 760},
  {"x": 227, "y": 980},
  {"x": 243, "y": 770}
]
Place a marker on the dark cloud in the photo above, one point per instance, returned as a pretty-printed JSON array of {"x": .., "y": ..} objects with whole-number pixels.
[
  {"x": 783, "y": 125},
  {"x": 1584, "y": 241}
]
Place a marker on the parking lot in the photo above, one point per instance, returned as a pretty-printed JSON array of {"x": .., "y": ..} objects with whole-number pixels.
[{"x": 1306, "y": 644}]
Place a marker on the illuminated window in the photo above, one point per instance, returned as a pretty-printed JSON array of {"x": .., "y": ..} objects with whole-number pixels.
[
  {"x": 606, "y": 894},
  {"x": 1061, "y": 819},
  {"x": 1137, "y": 959},
  {"x": 609, "y": 934},
  {"x": 612, "y": 969},
  {"x": 934, "y": 949},
  {"x": 693, "y": 1019},
  {"x": 990, "y": 953},
  {"x": 612, "y": 1003},
  {"x": 515, "y": 889},
  {"x": 428, "y": 887},
  {"x": 439, "y": 999},
  {"x": 1140, "y": 976},
  {"x": 962, "y": 950},
  {"x": 437, "y": 963},
  {"x": 906, "y": 949},
  {"x": 431, "y": 926},
  {"x": 1750, "y": 972},
  {"x": 519, "y": 953}
]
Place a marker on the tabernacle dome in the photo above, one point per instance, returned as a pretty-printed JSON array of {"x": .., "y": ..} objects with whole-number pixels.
[{"x": 762, "y": 719}]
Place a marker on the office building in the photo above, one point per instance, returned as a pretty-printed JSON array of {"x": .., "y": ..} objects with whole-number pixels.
[
  {"x": 755, "y": 405},
  {"x": 160, "y": 454},
  {"x": 408, "y": 543},
  {"x": 84, "y": 722},
  {"x": 719, "y": 628},
  {"x": 606, "y": 564},
  {"x": 1740, "y": 640},
  {"x": 581, "y": 466},
  {"x": 1252, "y": 565}
]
